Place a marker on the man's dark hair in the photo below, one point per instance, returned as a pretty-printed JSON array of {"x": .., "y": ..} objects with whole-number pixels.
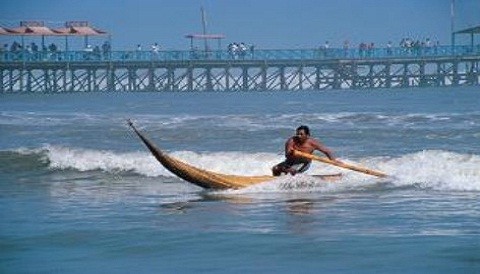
[{"x": 304, "y": 128}]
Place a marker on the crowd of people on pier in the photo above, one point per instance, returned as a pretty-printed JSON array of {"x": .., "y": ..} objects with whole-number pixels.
[
  {"x": 97, "y": 53},
  {"x": 419, "y": 46},
  {"x": 31, "y": 51},
  {"x": 406, "y": 46},
  {"x": 50, "y": 52},
  {"x": 16, "y": 47},
  {"x": 240, "y": 50}
]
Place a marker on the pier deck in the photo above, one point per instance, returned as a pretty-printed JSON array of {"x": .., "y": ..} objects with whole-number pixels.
[{"x": 250, "y": 70}]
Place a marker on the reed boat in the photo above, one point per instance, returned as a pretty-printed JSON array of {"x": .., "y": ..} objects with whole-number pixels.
[{"x": 204, "y": 178}]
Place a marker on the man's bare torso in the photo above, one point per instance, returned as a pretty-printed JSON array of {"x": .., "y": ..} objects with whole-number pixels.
[{"x": 308, "y": 146}]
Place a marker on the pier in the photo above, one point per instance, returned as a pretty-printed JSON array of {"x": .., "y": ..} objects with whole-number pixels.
[{"x": 249, "y": 70}]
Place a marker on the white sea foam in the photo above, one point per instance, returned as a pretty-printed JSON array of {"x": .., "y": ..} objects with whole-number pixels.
[
  {"x": 300, "y": 183},
  {"x": 86, "y": 159},
  {"x": 433, "y": 169},
  {"x": 436, "y": 169}
]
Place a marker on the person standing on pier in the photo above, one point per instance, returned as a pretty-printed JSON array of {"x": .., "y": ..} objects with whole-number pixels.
[{"x": 155, "y": 49}]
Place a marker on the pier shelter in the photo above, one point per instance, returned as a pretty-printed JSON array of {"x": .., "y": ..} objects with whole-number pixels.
[{"x": 469, "y": 31}]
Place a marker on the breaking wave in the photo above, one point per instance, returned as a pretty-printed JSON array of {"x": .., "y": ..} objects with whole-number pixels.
[{"x": 430, "y": 169}]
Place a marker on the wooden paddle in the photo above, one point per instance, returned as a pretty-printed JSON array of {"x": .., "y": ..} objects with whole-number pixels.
[{"x": 340, "y": 164}]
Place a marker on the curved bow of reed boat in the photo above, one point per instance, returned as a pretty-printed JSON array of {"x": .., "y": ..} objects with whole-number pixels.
[{"x": 197, "y": 176}]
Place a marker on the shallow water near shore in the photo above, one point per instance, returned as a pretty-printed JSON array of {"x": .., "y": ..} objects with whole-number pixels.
[{"x": 80, "y": 193}]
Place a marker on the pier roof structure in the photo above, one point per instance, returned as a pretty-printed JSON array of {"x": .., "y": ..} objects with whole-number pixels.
[
  {"x": 34, "y": 28},
  {"x": 5, "y": 31},
  {"x": 37, "y": 28},
  {"x": 81, "y": 28},
  {"x": 472, "y": 31},
  {"x": 205, "y": 37}
]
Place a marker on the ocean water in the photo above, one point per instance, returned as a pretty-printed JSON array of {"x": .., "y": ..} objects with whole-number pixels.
[{"x": 79, "y": 193}]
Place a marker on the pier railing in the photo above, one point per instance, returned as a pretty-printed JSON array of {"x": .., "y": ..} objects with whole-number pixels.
[{"x": 248, "y": 54}]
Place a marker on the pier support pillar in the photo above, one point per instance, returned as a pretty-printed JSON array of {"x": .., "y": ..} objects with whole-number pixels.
[
  {"x": 190, "y": 78},
  {"x": 209, "y": 85},
  {"x": 455, "y": 76},
  {"x": 151, "y": 78},
  {"x": 170, "y": 79},
  {"x": 388, "y": 76},
  {"x": 283, "y": 85},
  {"x": 245, "y": 78},
  {"x": 2, "y": 90},
  {"x": 263, "y": 84}
]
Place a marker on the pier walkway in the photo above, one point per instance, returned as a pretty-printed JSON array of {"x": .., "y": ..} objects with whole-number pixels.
[{"x": 246, "y": 70}]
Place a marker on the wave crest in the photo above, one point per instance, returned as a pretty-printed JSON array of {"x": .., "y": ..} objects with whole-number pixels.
[{"x": 430, "y": 169}]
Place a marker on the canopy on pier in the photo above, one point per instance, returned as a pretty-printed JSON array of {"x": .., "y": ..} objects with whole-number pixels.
[
  {"x": 5, "y": 31},
  {"x": 80, "y": 31},
  {"x": 29, "y": 28},
  {"x": 205, "y": 37},
  {"x": 37, "y": 28},
  {"x": 472, "y": 31},
  {"x": 34, "y": 31}
]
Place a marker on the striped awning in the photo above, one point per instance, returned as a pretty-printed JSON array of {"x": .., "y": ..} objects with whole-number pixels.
[{"x": 5, "y": 31}]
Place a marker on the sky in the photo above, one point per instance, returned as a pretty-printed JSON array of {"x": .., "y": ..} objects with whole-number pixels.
[{"x": 267, "y": 24}]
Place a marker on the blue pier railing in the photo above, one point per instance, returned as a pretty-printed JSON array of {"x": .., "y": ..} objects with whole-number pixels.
[{"x": 249, "y": 54}]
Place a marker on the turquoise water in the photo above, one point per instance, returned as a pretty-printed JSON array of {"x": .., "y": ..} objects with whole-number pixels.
[{"x": 80, "y": 194}]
